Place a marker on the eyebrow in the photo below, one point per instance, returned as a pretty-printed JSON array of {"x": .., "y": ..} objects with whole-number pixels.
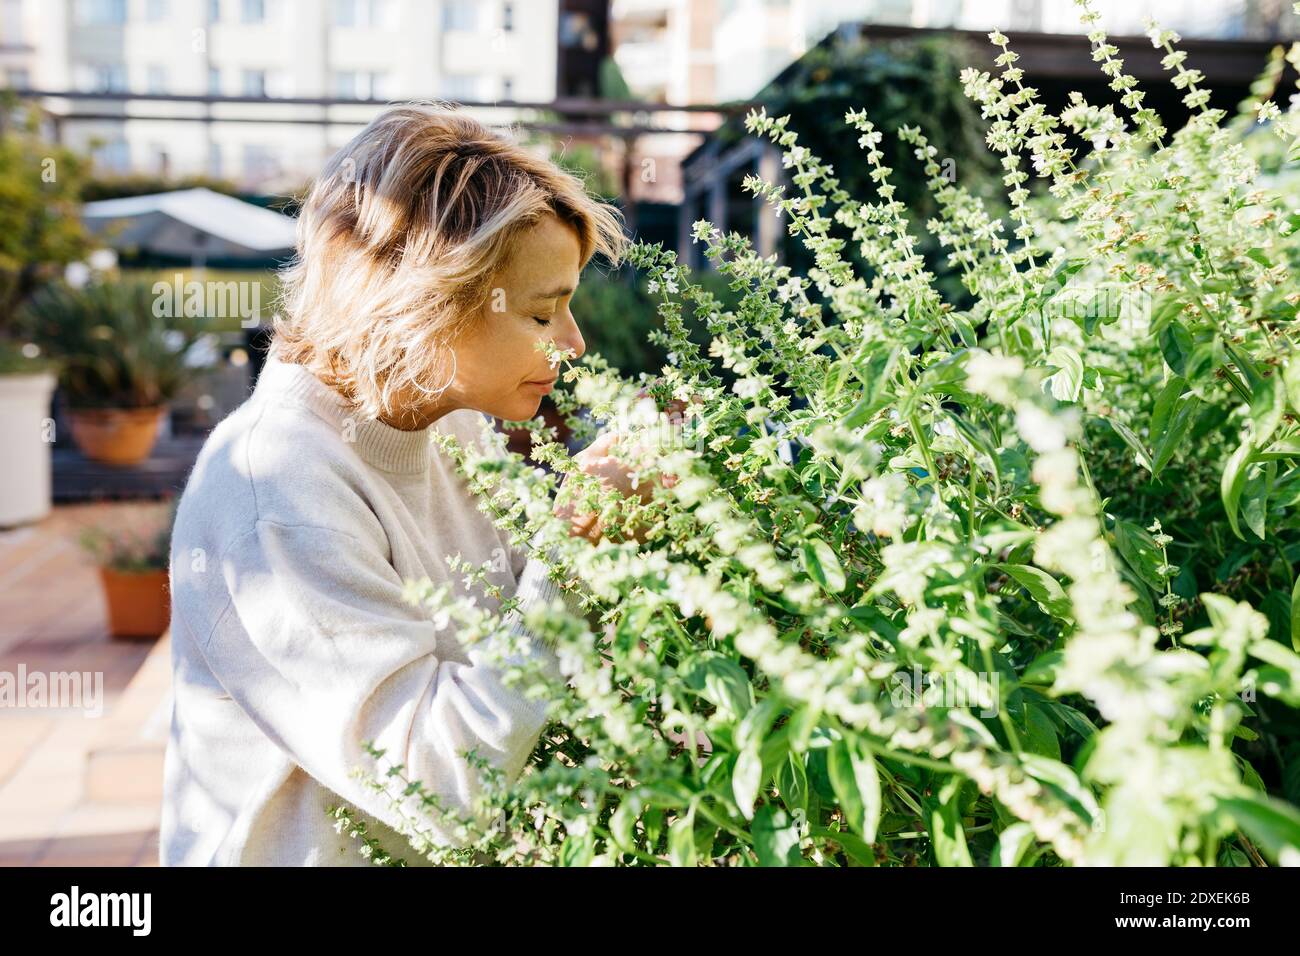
[{"x": 554, "y": 293}]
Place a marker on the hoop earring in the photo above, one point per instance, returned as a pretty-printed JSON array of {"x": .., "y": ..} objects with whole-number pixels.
[{"x": 438, "y": 392}]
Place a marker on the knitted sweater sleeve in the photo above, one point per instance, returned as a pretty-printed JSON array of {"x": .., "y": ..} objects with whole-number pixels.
[{"x": 325, "y": 655}]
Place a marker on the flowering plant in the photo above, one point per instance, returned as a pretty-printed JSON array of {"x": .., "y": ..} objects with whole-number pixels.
[{"x": 1008, "y": 584}]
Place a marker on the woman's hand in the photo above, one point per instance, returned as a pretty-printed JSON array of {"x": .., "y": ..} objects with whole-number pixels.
[{"x": 600, "y": 460}]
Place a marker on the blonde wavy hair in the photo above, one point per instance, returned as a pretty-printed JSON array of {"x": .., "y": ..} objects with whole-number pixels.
[{"x": 398, "y": 242}]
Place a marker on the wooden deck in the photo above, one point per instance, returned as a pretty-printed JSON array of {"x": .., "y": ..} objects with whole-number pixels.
[{"x": 77, "y": 478}]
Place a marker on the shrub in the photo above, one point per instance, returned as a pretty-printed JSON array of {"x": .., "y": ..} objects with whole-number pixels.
[
  {"x": 114, "y": 348},
  {"x": 896, "y": 80},
  {"x": 1008, "y": 584},
  {"x": 132, "y": 550},
  {"x": 40, "y": 221}
]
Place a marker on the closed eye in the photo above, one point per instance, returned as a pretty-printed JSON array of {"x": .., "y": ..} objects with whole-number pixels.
[{"x": 541, "y": 321}]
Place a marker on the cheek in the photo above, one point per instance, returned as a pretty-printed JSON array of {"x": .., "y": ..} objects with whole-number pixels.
[{"x": 503, "y": 362}]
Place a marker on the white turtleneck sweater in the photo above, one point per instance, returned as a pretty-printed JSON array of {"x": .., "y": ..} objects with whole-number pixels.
[{"x": 292, "y": 644}]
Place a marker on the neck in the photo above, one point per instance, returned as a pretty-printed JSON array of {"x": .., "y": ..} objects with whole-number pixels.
[{"x": 417, "y": 419}]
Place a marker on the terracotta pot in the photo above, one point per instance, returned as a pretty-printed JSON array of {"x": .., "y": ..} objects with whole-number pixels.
[
  {"x": 116, "y": 436},
  {"x": 139, "y": 605}
]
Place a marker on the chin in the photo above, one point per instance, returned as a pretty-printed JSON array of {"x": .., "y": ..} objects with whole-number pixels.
[{"x": 519, "y": 409}]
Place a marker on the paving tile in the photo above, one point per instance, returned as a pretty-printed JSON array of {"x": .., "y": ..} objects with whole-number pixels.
[
  {"x": 22, "y": 852},
  {"x": 53, "y": 619},
  {"x": 19, "y": 733},
  {"x": 87, "y": 819},
  {"x": 125, "y": 775}
]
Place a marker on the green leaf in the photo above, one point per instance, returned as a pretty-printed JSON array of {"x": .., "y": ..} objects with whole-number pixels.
[
  {"x": 1176, "y": 345},
  {"x": 1267, "y": 404},
  {"x": 857, "y": 850},
  {"x": 1042, "y": 587},
  {"x": 823, "y": 565},
  {"x": 856, "y": 781},
  {"x": 1043, "y": 668},
  {"x": 1074, "y": 720},
  {"x": 1012, "y": 844},
  {"x": 1040, "y": 733},
  {"x": 1141, "y": 552},
  {"x": 578, "y": 850},
  {"x": 776, "y": 837},
  {"x": 1248, "y": 369},
  {"x": 1233, "y": 482},
  {"x": 720, "y": 681},
  {"x": 1066, "y": 382},
  {"x": 1165, "y": 402},
  {"x": 622, "y": 824},
  {"x": 1274, "y": 825},
  {"x": 1295, "y": 615},
  {"x": 1133, "y": 442},
  {"x": 1254, "y": 497},
  {"x": 792, "y": 781},
  {"x": 876, "y": 371},
  {"x": 1171, "y": 419},
  {"x": 947, "y": 836},
  {"x": 746, "y": 778},
  {"x": 681, "y": 840},
  {"x": 757, "y": 722},
  {"x": 1291, "y": 382},
  {"x": 1057, "y": 774},
  {"x": 1282, "y": 679}
]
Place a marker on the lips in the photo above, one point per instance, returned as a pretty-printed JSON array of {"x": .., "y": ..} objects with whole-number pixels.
[{"x": 543, "y": 387}]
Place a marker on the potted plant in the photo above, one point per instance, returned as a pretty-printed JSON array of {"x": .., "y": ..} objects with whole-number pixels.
[
  {"x": 133, "y": 568},
  {"x": 122, "y": 359},
  {"x": 40, "y": 234}
]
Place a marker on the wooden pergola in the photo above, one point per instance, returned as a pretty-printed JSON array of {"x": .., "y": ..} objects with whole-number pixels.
[{"x": 1054, "y": 63}]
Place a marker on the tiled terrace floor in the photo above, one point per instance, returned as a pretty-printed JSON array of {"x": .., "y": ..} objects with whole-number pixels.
[{"x": 75, "y": 789}]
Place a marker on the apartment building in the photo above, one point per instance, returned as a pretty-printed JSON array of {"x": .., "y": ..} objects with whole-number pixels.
[
  {"x": 693, "y": 51},
  {"x": 464, "y": 50}
]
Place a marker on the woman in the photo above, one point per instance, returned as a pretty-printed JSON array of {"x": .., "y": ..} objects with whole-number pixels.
[{"x": 435, "y": 259}]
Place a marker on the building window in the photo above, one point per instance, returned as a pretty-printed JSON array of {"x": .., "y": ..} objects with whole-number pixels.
[
  {"x": 507, "y": 88},
  {"x": 156, "y": 78},
  {"x": 279, "y": 84},
  {"x": 159, "y": 158},
  {"x": 18, "y": 79},
  {"x": 113, "y": 157},
  {"x": 460, "y": 86},
  {"x": 214, "y": 81},
  {"x": 360, "y": 85},
  {"x": 576, "y": 31},
  {"x": 259, "y": 161},
  {"x": 508, "y": 17},
  {"x": 363, "y": 13},
  {"x": 460, "y": 15},
  {"x": 214, "y": 11},
  {"x": 254, "y": 83},
  {"x": 101, "y": 77},
  {"x": 253, "y": 11},
  {"x": 11, "y": 22},
  {"x": 214, "y": 159},
  {"x": 155, "y": 10},
  {"x": 345, "y": 84},
  {"x": 101, "y": 12}
]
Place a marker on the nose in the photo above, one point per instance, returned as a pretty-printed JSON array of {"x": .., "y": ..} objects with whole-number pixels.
[{"x": 573, "y": 338}]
